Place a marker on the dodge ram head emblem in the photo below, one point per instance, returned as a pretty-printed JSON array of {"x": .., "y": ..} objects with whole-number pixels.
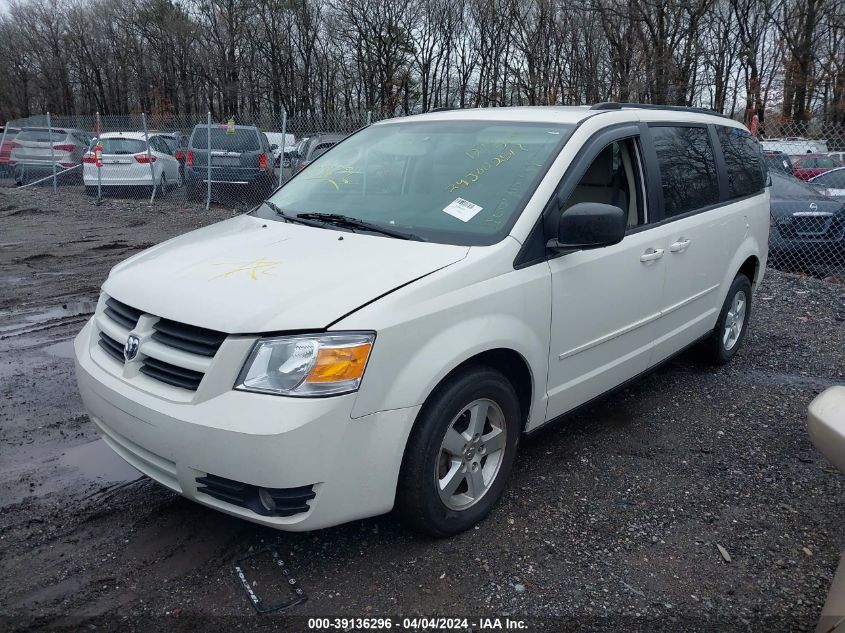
[{"x": 130, "y": 350}]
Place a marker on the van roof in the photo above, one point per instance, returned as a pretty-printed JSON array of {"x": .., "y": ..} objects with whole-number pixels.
[{"x": 573, "y": 114}]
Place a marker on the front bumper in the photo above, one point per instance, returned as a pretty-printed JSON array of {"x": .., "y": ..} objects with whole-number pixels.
[{"x": 262, "y": 440}]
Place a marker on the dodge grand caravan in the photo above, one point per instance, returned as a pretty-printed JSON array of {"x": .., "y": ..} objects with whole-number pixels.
[{"x": 382, "y": 330}]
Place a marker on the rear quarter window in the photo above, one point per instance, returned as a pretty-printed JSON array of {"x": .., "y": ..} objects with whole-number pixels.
[
  {"x": 687, "y": 168},
  {"x": 742, "y": 160}
]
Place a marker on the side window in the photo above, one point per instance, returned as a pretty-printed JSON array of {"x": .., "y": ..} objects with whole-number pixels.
[
  {"x": 687, "y": 168},
  {"x": 742, "y": 159},
  {"x": 614, "y": 177}
]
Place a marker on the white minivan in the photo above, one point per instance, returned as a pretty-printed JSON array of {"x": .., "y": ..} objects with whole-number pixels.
[{"x": 383, "y": 329}]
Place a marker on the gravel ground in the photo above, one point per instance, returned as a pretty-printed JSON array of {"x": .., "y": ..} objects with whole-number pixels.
[{"x": 613, "y": 519}]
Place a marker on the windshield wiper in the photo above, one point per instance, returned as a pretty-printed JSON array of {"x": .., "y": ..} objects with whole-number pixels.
[
  {"x": 354, "y": 223},
  {"x": 289, "y": 217}
]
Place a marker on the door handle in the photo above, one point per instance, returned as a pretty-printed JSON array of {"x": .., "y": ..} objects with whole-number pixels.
[
  {"x": 680, "y": 246},
  {"x": 651, "y": 254}
]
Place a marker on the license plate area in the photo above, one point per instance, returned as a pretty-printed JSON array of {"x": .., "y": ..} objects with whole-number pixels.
[{"x": 226, "y": 161}]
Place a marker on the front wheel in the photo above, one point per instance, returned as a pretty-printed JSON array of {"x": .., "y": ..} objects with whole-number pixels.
[
  {"x": 732, "y": 324},
  {"x": 460, "y": 453}
]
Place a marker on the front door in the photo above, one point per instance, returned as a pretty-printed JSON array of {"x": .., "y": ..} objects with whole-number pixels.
[{"x": 605, "y": 301}]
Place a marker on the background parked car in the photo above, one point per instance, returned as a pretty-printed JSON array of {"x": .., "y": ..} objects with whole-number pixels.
[
  {"x": 282, "y": 143},
  {"x": 778, "y": 161},
  {"x": 806, "y": 167},
  {"x": 794, "y": 145},
  {"x": 832, "y": 182},
  {"x": 240, "y": 159},
  {"x": 807, "y": 227},
  {"x": 129, "y": 162},
  {"x": 34, "y": 151},
  {"x": 314, "y": 147},
  {"x": 177, "y": 143},
  {"x": 6, "y": 149}
]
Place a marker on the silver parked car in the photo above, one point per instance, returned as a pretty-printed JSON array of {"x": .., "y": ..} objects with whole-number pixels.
[{"x": 36, "y": 149}]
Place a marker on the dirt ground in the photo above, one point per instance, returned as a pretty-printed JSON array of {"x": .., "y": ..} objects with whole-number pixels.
[{"x": 611, "y": 521}]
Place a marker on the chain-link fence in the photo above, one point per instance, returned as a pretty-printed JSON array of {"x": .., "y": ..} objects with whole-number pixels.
[
  {"x": 199, "y": 162},
  {"x": 196, "y": 161}
]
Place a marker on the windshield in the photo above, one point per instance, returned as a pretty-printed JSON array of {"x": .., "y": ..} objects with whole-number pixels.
[
  {"x": 784, "y": 186},
  {"x": 454, "y": 182},
  {"x": 222, "y": 138}
]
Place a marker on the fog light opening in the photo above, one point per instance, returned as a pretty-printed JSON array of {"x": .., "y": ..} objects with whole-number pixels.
[{"x": 266, "y": 499}]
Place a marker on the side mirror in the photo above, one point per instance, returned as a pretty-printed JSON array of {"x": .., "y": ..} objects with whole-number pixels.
[
  {"x": 274, "y": 147},
  {"x": 590, "y": 225}
]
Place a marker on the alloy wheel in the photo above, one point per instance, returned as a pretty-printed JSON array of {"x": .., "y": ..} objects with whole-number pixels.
[{"x": 471, "y": 454}]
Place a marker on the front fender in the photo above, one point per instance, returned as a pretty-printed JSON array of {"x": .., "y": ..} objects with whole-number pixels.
[{"x": 424, "y": 333}]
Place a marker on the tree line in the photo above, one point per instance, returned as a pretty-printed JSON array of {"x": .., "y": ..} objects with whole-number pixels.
[{"x": 782, "y": 59}]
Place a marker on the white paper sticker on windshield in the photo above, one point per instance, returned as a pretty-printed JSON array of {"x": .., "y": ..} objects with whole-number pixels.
[{"x": 462, "y": 209}]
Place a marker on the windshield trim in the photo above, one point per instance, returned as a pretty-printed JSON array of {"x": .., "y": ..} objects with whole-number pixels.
[{"x": 438, "y": 237}]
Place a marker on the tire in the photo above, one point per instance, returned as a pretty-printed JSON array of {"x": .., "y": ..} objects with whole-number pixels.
[
  {"x": 430, "y": 462},
  {"x": 160, "y": 189},
  {"x": 722, "y": 346},
  {"x": 90, "y": 191}
]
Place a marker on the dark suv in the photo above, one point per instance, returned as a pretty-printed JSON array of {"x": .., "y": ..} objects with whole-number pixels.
[{"x": 241, "y": 162}]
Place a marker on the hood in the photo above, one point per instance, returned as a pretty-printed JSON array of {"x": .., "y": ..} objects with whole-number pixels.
[{"x": 248, "y": 275}]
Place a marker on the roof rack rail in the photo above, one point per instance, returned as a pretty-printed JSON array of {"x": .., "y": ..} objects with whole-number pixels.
[
  {"x": 615, "y": 105},
  {"x": 443, "y": 109}
]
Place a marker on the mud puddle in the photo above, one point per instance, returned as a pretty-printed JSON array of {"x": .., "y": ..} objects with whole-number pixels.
[
  {"x": 75, "y": 470},
  {"x": 62, "y": 349},
  {"x": 17, "y": 322}
]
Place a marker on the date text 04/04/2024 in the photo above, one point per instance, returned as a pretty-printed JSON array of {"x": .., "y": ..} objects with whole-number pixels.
[{"x": 417, "y": 624}]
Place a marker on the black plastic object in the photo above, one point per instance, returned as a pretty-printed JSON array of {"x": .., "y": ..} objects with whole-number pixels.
[
  {"x": 283, "y": 502},
  {"x": 266, "y": 563},
  {"x": 591, "y": 225}
]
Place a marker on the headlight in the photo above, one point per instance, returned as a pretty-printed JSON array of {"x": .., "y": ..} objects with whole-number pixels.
[{"x": 307, "y": 364}]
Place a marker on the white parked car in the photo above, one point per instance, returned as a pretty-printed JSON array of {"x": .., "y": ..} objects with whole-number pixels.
[
  {"x": 383, "y": 330},
  {"x": 280, "y": 144},
  {"x": 128, "y": 160},
  {"x": 794, "y": 145}
]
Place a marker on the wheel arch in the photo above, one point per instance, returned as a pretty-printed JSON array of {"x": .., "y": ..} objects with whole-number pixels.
[
  {"x": 751, "y": 269},
  {"x": 510, "y": 363}
]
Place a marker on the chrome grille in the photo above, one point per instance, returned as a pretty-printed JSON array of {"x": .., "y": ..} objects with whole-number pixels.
[
  {"x": 111, "y": 347},
  {"x": 122, "y": 313},
  {"x": 171, "y": 374},
  {"x": 173, "y": 353},
  {"x": 197, "y": 340}
]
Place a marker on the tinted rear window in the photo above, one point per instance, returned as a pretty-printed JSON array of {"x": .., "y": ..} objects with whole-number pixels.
[
  {"x": 122, "y": 145},
  {"x": 742, "y": 159},
  {"x": 41, "y": 136},
  {"x": 687, "y": 168},
  {"x": 237, "y": 140}
]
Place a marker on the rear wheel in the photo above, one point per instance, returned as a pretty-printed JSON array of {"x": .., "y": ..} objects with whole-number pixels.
[
  {"x": 90, "y": 191},
  {"x": 732, "y": 324},
  {"x": 161, "y": 189},
  {"x": 460, "y": 453}
]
